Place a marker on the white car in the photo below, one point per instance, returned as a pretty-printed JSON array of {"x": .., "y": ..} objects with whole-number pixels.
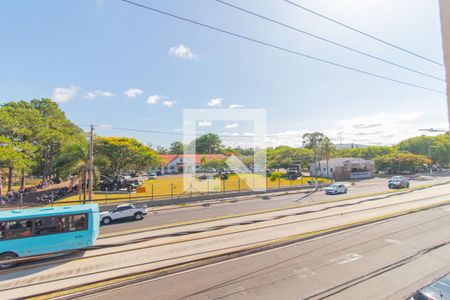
[
  {"x": 336, "y": 188},
  {"x": 152, "y": 176},
  {"x": 123, "y": 211}
]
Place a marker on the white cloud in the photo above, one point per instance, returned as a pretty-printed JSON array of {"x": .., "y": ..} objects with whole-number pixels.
[
  {"x": 204, "y": 124},
  {"x": 153, "y": 99},
  {"x": 230, "y": 133},
  {"x": 181, "y": 51},
  {"x": 233, "y": 125},
  {"x": 133, "y": 93},
  {"x": 168, "y": 103},
  {"x": 97, "y": 93},
  {"x": 215, "y": 102},
  {"x": 381, "y": 128},
  {"x": 64, "y": 94},
  {"x": 375, "y": 129},
  {"x": 236, "y": 105}
]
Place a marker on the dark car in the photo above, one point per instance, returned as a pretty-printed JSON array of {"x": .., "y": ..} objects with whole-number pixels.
[{"x": 398, "y": 182}]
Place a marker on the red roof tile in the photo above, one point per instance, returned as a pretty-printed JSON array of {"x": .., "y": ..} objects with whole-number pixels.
[{"x": 167, "y": 158}]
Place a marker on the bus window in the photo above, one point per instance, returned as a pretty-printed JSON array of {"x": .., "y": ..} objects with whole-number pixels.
[
  {"x": 28, "y": 229},
  {"x": 16, "y": 229},
  {"x": 2, "y": 230},
  {"x": 49, "y": 225},
  {"x": 78, "y": 222}
]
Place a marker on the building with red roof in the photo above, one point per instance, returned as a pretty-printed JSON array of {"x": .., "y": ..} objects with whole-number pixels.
[{"x": 175, "y": 163}]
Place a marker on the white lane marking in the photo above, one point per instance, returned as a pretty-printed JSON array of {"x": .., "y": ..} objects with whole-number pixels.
[
  {"x": 345, "y": 258},
  {"x": 238, "y": 290},
  {"x": 304, "y": 272},
  {"x": 396, "y": 242}
]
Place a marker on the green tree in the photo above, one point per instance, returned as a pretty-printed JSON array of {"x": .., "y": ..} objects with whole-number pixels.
[
  {"x": 417, "y": 145},
  {"x": 38, "y": 129},
  {"x": 326, "y": 150},
  {"x": 208, "y": 144},
  {"x": 440, "y": 150},
  {"x": 121, "y": 154},
  {"x": 73, "y": 162},
  {"x": 366, "y": 152},
  {"x": 161, "y": 150},
  {"x": 283, "y": 156},
  {"x": 313, "y": 141},
  {"x": 401, "y": 161},
  {"x": 218, "y": 164},
  {"x": 56, "y": 131},
  {"x": 176, "y": 147}
]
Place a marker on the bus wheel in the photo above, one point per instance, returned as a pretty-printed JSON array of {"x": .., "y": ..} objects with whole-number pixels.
[
  {"x": 138, "y": 216},
  {"x": 7, "y": 256},
  {"x": 106, "y": 220}
]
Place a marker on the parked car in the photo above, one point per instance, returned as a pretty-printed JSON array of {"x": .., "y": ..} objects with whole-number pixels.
[
  {"x": 437, "y": 290},
  {"x": 123, "y": 211},
  {"x": 398, "y": 182},
  {"x": 336, "y": 188},
  {"x": 295, "y": 169},
  {"x": 118, "y": 182},
  {"x": 152, "y": 175}
]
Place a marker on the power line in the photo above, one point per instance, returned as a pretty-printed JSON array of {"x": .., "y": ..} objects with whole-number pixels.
[
  {"x": 329, "y": 41},
  {"x": 275, "y": 136},
  {"x": 282, "y": 48},
  {"x": 99, "y": 127},
  {"x": 363, "y": 33}
]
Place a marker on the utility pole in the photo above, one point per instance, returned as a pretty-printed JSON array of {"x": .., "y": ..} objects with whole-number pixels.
[
  {"x": 444, "y": 7},
  {"x": 340, "y": 136},
  {"x": 91, "y": 162}
]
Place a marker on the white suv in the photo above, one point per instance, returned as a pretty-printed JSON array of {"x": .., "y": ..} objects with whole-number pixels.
[
  {"x": 123, "y": 211},
  {"x": 336, "y": 188}
]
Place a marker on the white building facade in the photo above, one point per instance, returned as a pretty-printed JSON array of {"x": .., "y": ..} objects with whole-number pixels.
[{"x": 343, "y": 168}]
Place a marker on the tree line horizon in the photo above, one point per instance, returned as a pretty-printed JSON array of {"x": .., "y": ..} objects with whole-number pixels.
[{"x": 37, "y": 139}]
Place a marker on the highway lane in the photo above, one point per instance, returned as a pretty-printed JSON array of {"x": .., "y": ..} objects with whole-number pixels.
[
  {"x": 307, "y": 268},
  {"x": 183, "y": 214},
  {"x": 159, "y": 248}
]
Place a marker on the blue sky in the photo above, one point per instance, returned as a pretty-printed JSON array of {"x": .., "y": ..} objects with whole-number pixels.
[{"x": 87, "y": 54}]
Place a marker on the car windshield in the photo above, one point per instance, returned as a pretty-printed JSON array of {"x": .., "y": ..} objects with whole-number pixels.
[{"x": 304, "y": 145}]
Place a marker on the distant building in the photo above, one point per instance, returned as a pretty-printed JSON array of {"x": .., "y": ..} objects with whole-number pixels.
[
  {"x": 344, "y": 168},
  {"x": 174, "y": 163}
]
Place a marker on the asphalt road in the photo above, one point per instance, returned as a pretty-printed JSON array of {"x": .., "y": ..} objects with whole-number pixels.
[
  {"x": 308, "y": 268},
  {"x": 124, "y": 254},
  {"x": 184, "y": 214}
]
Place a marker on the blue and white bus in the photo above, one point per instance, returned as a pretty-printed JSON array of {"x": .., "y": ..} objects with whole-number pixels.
[{"x": 37, "y": 231}]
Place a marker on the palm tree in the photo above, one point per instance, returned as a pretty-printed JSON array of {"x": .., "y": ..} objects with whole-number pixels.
[
  {"x": 74, "y": 160},
  {"x": 326, "y": 148}
]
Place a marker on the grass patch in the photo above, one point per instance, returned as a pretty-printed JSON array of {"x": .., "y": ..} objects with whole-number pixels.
[{"x": 173, "y": 186}]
